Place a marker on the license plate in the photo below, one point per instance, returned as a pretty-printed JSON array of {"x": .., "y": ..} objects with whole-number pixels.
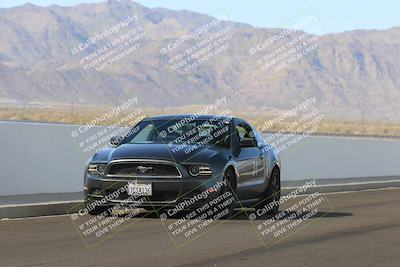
[{"x": 139, "y": 189}]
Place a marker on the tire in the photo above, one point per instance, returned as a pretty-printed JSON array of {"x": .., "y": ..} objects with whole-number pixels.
[
  {"x": 230, "y": 186},
  {"x": 272, "y": 193}
]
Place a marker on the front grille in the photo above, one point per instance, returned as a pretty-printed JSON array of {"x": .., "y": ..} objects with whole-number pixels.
[{"x": 143, "y": 169}]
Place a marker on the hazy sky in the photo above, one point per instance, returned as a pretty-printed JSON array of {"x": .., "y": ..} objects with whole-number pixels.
[{"x": 336, "y": 16}]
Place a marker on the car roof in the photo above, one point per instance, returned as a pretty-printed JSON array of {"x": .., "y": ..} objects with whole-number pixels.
[{"x": 187, "y": 116}]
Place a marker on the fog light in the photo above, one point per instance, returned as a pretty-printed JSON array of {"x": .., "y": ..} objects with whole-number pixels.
[
  {"x": 101, "y": 168},
  {"x": 194, "y": 170},
  {"x": 96, "y": 192},
  {"x": 201, "y": 170},
  {"x": 97, "y": 169}
]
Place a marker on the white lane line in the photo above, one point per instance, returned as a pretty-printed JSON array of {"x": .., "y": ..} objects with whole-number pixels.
[
  {"x": 41, "y": 203},
  {"x": 345, "y": 184},
  {"x": 35, "y": 217},
  {"x": 364, "y": 190},
  {"x": 354, "y": 191}
]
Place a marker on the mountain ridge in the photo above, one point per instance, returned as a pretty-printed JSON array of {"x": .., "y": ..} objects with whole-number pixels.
[{"x": 350, "y": 73}]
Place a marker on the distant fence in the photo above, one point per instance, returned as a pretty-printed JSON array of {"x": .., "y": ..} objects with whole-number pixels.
[{"x": 45, "y": 158}]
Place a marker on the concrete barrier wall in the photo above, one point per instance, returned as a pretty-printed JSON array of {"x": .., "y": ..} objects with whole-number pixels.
[
  {"x": 45, "y": 158},
  {"x": 341, "y": 157},
  {"x": 39, "y": 158}
]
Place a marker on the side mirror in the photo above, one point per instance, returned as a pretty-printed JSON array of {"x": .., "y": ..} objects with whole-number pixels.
[
  {"x": 116, "y": 140},
  {"x": 248, "y": 142}
]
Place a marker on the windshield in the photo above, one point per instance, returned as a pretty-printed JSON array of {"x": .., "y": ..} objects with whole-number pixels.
[{"x": 182, "y": 131}]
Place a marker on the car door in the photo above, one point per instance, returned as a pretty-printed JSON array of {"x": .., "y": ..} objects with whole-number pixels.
[{"x": 250, "y": 163}]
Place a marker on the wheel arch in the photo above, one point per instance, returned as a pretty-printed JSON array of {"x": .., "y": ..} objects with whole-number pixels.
[{"x": 231, "y": 166}]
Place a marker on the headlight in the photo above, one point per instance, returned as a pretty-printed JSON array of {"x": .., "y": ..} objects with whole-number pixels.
[
  {"x": 201, "y": 170},
  {"x": 97, "y": 169}
]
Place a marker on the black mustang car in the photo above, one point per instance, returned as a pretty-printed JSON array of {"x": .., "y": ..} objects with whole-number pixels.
[{"x": 174, "y": 159}]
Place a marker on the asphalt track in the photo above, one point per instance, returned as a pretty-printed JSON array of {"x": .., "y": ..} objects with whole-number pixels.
[{"x": 362, "y": 229}]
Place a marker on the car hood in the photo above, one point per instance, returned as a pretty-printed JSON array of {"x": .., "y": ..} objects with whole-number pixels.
[{"x": 175, "y": 153}]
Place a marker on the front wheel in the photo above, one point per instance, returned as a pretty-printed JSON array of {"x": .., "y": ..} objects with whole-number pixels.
[
  {"x": 272, "y": 194},
  {"x": 229, "y": 188}
]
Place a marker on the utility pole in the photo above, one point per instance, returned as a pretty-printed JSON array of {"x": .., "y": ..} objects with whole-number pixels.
[
  {"x": 162, "y": 100},
  {"x": 363, "y": 114},
  {"x": 72, "y": 111},
  {"x": 363, "y": 119}
]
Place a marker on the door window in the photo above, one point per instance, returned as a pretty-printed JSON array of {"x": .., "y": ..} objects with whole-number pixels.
[{"x": 244, "y": 131}]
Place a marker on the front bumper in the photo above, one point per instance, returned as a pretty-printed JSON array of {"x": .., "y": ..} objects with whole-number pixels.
[{"x": 166, "y": 192}]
